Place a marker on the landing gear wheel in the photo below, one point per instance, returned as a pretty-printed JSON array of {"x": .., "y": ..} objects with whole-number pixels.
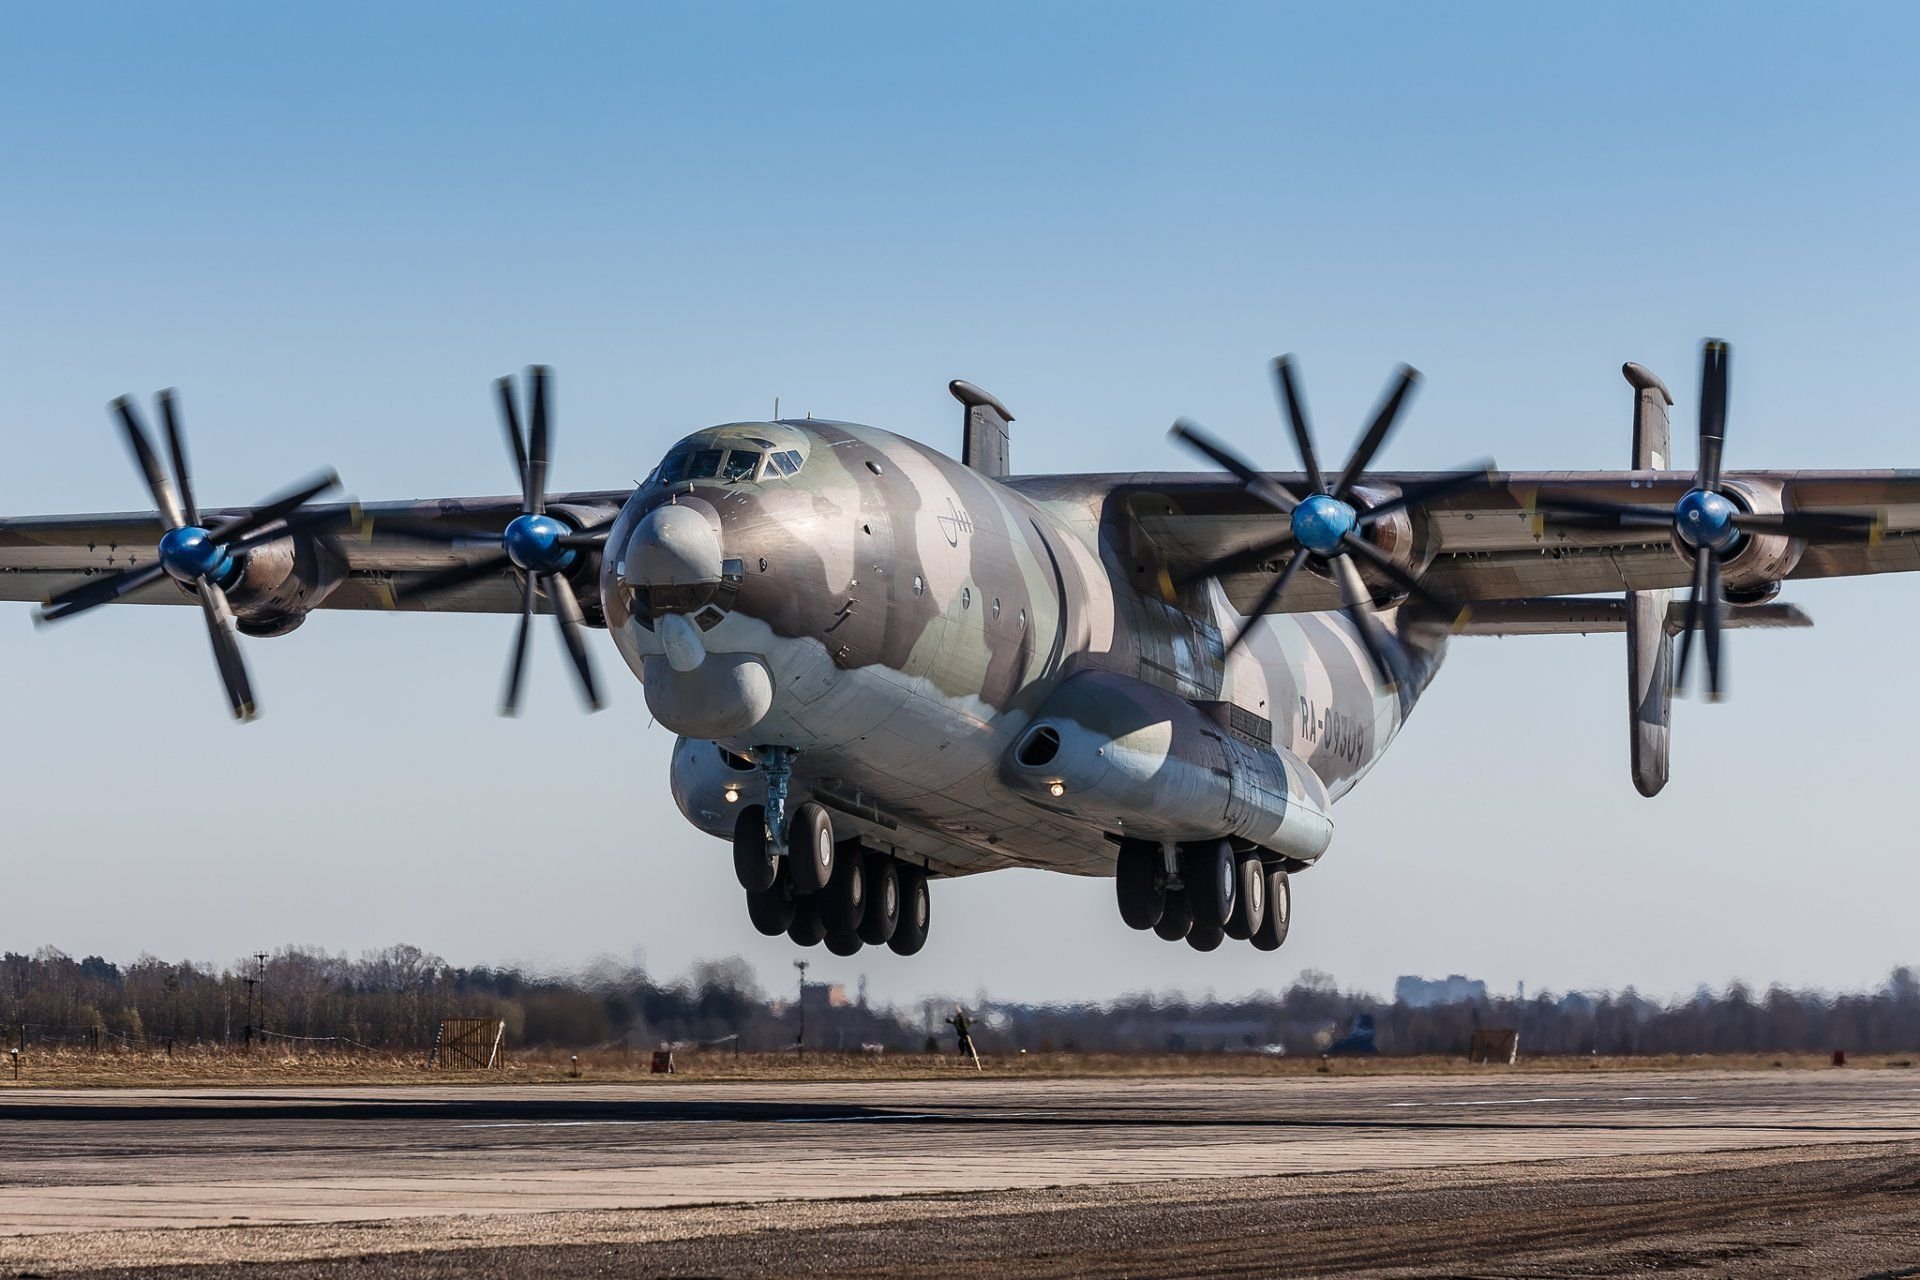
[
  {"x": 771, "y": 909},
  {"x": 1138, "y": 881},
  {"x": 754, "y": 863},
  {"x": 810, "y": 848},
  {"x": 916, "y": 913},
  {"x": 1206, "y": 867},
  {"x": 1273, "y": 930},
  {"x": 806, "y": 928},
  {"x": 844, "y": 901},
  {"x": 883, "y": 900},
  {"x": 843, "y": 944},
  {"x": 1205, "y": 937},
  {"x": 1249, "y": 896},
  {"x": 1177, "y": 919}
]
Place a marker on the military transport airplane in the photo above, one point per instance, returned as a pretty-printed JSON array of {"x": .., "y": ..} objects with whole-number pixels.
[{"x": 887, "y": 666}]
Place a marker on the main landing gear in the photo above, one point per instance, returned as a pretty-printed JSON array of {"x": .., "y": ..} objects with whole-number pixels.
[
  {"x": 1218, "y": 894},
  {"x": 840, "y": 893}
]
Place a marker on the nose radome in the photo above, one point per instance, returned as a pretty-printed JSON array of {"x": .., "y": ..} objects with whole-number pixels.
[{"x": 673, "y": 546}]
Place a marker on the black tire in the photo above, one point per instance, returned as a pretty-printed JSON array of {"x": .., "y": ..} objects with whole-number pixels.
[
  {"x": 1206, "y": 868},
  {"x": 1140, "y": 884},
  {"x": 1177, "y": 917},
  {"x": 883, "y": 900},
  {"x": 1205, "y": 937},
  {"x": 1273, "y": 930},
  {"x": 1249, "y": 896},
  {"x": 810, "y": 848},
  {"x": 844, "y": 901},
  {"x": 916, "y": 913},
  {"x": 806, "y": 929},
  {"x": 754, "y": 864},
  {"x": 843, "y": 944},
  {"x": 771, "y": 909}
]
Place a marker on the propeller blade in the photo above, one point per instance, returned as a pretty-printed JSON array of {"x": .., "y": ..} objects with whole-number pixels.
[
  {"x": 537, "y": 442},
  {"x": 226, "y": 650},
  {"x": 276, "y": 508},
  {"x": 1297, "y": 419},
  {"x": 1453, "y": 610},
  {"x": 1713, "y": 413},
  {"x": 566, "y": 608},
  {"x": 458, "y": 575},
  {"x": 1815, "y": 526},
  {"x": 422, "y": 529},
  {"x": 1237, "y": 561},
  {"x": 510, "y": 700},
  {"x": 1269, "y": 600},
  {"x": 510, "y": 419},
  {"x": 1376, "y": 435},
  {"x": 98, "y": 591},
  {"x": 1691, "y": 624},
  {"x": 338, "y": 519},
  {"x": 1260, "y": 486},
  {"x": 1715, "y": 615},
  {"x": 144, "y": 457},
  {"x": 1625, "y": 511},
  {"x": 1425, "y": 491},
  {"x": 1358, "y": 607},
  {"x": 177, "y": 448}
]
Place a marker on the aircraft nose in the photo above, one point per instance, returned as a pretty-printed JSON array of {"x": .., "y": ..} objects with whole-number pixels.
[{"x": 674, "y": 558}]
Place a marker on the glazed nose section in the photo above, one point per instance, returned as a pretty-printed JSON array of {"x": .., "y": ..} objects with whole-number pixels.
[
  {"x": 674, "y": 565},
  {"x": 673, "y": 554}
]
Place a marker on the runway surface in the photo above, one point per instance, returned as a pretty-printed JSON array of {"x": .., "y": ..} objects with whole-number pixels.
[{"x": 102, "y": 1178}]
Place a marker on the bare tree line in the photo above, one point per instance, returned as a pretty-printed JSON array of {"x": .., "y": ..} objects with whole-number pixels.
[{"x": 393, "y": 1000}]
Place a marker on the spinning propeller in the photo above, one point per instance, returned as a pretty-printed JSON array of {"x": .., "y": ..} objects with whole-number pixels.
[
  {"x": 1326, "y": 523},
  {"x": 1709, "y": 521},
  {"x": 207, "y": 558},
  {"x": 541, "y": 547}
]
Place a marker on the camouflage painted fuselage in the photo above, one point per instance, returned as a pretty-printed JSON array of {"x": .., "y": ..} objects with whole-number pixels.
[{"x": 913, "y": 616}]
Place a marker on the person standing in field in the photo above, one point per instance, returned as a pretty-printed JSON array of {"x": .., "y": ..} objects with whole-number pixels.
[{"x": 963, "y": 1038}]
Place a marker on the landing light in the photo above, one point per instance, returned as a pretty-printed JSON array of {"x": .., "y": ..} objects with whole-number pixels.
[
  {"x": 733, "y": 795},
  {"x": 1056, "y": 790}
]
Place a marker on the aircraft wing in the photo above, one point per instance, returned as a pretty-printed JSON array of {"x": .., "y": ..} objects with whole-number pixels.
[
  {"x": 362, "y": 563},
  {"x": 1484, "y": 543}
]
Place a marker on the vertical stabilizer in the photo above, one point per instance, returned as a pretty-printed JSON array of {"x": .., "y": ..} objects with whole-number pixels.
[
  {"x": 986, "y": 444},
  {"x": 1649, "y": 647}
]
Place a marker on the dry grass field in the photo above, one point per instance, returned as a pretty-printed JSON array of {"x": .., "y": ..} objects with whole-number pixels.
[{"x": 61, "y": 1068}]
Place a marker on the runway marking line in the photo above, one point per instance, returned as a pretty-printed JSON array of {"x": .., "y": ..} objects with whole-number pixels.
[{"x": 1535, "y": 1102}]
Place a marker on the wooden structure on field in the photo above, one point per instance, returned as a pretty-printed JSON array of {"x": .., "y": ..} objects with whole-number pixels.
[
  {"x": 1494, "y": 1045},
  {"x": 470, "y": 1044}
]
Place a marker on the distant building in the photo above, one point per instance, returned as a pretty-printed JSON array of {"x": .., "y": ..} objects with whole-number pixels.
[{"x": 1423, "y": 993}]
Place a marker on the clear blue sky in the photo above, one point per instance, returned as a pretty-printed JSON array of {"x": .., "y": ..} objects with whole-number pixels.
[{"x": 330, "y": 227}]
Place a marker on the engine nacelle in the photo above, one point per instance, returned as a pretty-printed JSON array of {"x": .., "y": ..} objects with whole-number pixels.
[
  {"x": 1141, "y": 762},
  {"x": 280, "y": 583},
  {"x": 1393, "y": 533},
  {"x": 1755, "y": 569}
]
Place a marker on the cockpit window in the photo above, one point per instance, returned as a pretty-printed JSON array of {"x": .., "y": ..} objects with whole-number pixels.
[{"x": 735, "y": 466}]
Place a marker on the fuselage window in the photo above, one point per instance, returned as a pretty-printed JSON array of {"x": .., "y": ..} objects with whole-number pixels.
[{"x": 741, "y": 464}]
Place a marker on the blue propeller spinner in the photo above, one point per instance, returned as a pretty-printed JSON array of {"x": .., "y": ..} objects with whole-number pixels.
[
  {"x": 1709, "y": 523},
  {"x": 540, "y": 547},
  {"x": 208, "y": 558},
  {"x": 1328, "y": 524}
]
